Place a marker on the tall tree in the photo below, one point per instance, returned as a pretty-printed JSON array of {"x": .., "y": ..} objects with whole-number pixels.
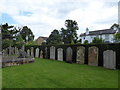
[
  {"x": 7, "y": 37},
  {"x": 69, "y": 35},
  {"x": 54, "y": 38},
  {"x": 27, "y": 34}
]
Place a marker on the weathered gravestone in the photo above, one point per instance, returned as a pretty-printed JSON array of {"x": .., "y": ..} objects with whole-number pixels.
[
  {"x": 93, "y": 56},
  {"x": 69, "y": 53},
  {"x": 37, "y": 52},
  {"x": 46, "y": 53},
  {"x": 60, "y": 54},
  {"x": 52, "y": 52},
  {"x": 10, "y": 50},
  {"x": 80, "y": 54},
  {"x": 32, "y": 52},
  {"x": 41, "y": 54},
  {"x": 28, "y": 52},
  {"x": 109, "y": 59}
]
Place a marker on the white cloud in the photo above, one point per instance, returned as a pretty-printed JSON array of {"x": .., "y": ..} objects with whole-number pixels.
[{"x": 46, "y": 15}]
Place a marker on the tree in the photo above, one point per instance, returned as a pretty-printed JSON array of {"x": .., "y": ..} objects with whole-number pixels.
[
  {"x": 54, "y": 38},
  {"x": 86, "y": 42},
  {"x": 116, "y": 38},
  {"x": 97, "y": 40},
  {"x": 27, "y": 34},
  {"x": 7, "y": 37},
  {"x": 69, "y": 35}
]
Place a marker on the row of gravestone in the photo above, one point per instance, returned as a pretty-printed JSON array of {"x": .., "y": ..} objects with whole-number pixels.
[
  {"x": 10, "y": 51},
  {"x": 38, "y": 53},
  {"x": 109, "y": 56}
]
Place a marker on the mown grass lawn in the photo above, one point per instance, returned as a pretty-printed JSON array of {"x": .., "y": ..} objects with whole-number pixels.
[{"x": 45, "y": 73}]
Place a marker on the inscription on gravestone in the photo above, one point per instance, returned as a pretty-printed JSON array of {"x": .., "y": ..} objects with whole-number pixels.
[
  {"x": 109, "y": 59},
  {"x": 60, "y": 54},
  {"x": 80, "y": 54},
  {"x": 93, "y": 56},
  {"x": 52, "y": 52},
  {"x": 69, "y": 54}
]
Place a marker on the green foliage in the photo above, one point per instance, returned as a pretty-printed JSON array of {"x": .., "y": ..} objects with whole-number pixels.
[
  {"x": 117, "y": 38},
  {"x": 69, "y": 35},
  {"x": 54, "y": 38},
  {"x": 97, "y": 40},
  {"x": 27, "y": 34},
  {"x": 86, "y": 42},
  {"x": 31, "y": 43},
  {"x": 11, "y": 36},
  {"x": 19, "y": 41},
  {"x": 6, "y": 43}
]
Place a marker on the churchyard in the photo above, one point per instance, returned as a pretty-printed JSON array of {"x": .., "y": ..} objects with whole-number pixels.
[{"x": 61, "y": 66}]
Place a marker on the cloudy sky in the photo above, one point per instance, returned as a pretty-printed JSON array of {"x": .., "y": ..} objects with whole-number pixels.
[{"x": 43, "y": 16}]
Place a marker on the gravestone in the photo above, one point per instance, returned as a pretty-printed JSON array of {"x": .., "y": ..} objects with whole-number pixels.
[
  {"x": 109, "y": 59},
  {"x": 15, "y": 50},
  {"x": 60, "y": 54},
  {"x": 37, "y": 52},
  {"x": 69, "y": 54},
  {"x": 80, "y": 54},
  {"x": 10, "y": 50},
  {"x": 41, "y": 54},
  {"x": 46, "y": 53},
  {"x": 52, "y": 52},
  {"x": 32, "y": 52},
  {"x": 28, "y": 52},
  {"x": 93, "y": 56}
]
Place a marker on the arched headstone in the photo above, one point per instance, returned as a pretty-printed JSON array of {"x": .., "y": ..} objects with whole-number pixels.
[
  {"x": 60, "y": 54},
  {"x": 41, "y": 54},
  {"x": 80, "y": 54},
  {"x": 52, "y": 52},
  {"x": 37, "y": 52},
  {"x": 109, "y": 59},
  {"x": 69, "y": 53},
  {"x": 28, "y": 52},
  {"x": 93, "y": 56}
]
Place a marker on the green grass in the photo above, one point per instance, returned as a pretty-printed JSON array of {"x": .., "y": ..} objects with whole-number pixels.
[{"x": 54, "y": 74}]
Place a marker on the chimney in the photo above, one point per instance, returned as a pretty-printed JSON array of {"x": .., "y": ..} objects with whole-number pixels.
[{"x": 87, "y": 31}]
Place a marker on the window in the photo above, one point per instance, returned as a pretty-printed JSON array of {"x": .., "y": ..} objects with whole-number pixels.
[{"x": 107, "y": 37}]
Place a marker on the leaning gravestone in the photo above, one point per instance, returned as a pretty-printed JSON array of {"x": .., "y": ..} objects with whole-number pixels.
[
  {"x": 46, "y": 54},
  {"x": 28, "y": 52},
  {"x": 52, "y": 52},
  {"x": 109, "y": 59},
  {"x": 69, "y": 54},
  {"x": 32, "y": 52},
  {"x": 93, "y": 56},
  {"x": 80, "y": 54},
  {"x": 60, "y": 54},
  {"x": 41, "y": 54},
  {"x": 37, "y": 52}
]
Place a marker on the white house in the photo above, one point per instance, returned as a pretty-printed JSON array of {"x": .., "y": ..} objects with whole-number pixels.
[{"x": 106, "y": 34}]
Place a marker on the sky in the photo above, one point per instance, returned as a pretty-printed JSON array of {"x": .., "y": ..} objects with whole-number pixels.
[{"x": 43, "y": 16}]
